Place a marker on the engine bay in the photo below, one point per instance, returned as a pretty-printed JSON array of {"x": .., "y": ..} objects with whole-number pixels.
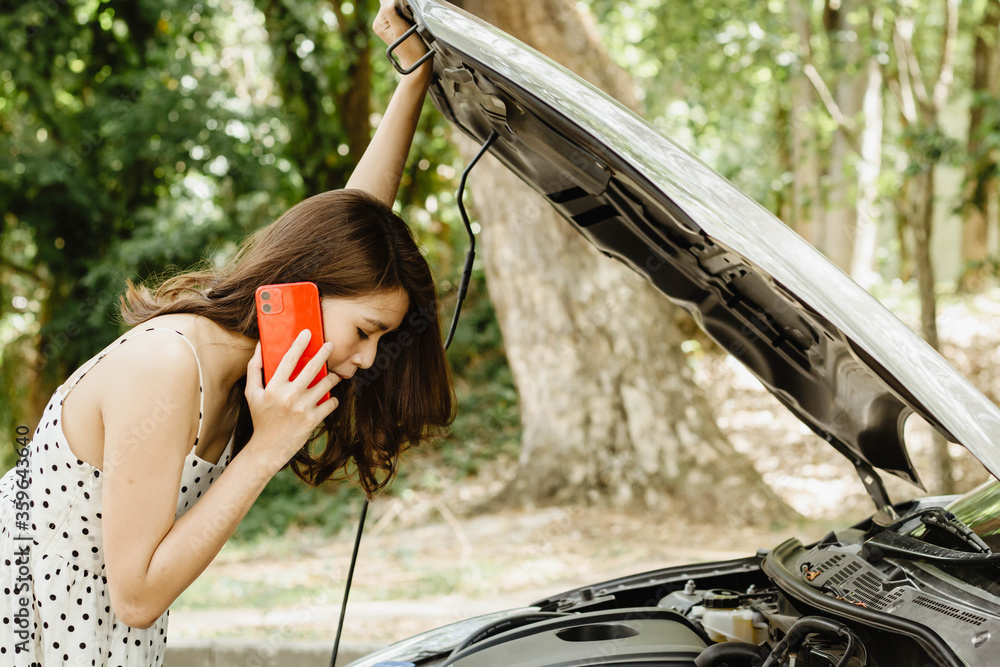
[{"x": 837, "y": 603}]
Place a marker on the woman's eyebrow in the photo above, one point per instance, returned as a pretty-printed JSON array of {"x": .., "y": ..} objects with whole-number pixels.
[{"x": 381, "y": 326}]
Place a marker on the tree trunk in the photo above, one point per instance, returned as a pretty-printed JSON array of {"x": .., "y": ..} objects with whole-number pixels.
[
  {"x": 608, "y": 405},
  {"x": 863, "y": 262},
  {"x": 807, "y": 199},
  {"x": 784, "y": 205},
  {"x": 354, "y": 102},
  {"x": 840, "y": 221},
  {"x": 922, "y": 224},
  {"x": 919, "y": 104},
  {"x": 849, "y": 92},
  {"x": 47, "y": 367},
  {"x": 905, "y": 271},
  {"x": 981, "y": 164}
]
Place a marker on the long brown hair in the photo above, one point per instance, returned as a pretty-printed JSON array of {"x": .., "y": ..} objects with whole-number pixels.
[{"x": 350, "y": 245}]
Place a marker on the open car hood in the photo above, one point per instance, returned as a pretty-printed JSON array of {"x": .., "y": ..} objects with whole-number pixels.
[{"x": 819, "y": 342}]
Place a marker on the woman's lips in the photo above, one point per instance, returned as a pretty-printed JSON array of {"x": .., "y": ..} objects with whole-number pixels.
[{"x": 339, "y": 375}]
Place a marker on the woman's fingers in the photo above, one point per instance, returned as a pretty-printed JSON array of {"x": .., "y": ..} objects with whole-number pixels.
[
  {"x": 291, "y": 358},
  {"x": 319, "y": 395},
  {"x": 288, "y": 411},
  {"x": 255, "y": 380},
  {"x": 313, "y": 367},
  {"x": 389, "y": 26}
]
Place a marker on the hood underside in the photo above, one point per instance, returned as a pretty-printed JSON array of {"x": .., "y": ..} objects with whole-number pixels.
[{"x": 820, "y": 343}]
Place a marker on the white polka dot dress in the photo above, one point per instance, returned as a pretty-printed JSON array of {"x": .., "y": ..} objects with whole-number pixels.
[{"x": 55, "y": 608}]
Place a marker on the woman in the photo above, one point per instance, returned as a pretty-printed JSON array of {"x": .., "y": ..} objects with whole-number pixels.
[{"x": 148, "y": 457}]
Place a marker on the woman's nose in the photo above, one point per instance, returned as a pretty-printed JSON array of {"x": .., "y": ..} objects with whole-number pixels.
[{"x": 366, "y": 355}]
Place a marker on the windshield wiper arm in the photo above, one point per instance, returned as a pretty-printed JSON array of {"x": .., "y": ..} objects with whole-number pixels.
[
  {"x": 888, "y": 542},
  {"x": 941, "y": 519},
  {"x": 948, "y": 522}
]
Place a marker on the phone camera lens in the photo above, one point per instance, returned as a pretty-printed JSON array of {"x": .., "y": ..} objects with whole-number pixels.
[
  {"x": 266, "y": 308},
  {"x": 265, "y": 295}
]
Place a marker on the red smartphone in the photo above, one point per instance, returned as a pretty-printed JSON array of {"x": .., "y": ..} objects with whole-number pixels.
[{"x": 283, "y": 311}]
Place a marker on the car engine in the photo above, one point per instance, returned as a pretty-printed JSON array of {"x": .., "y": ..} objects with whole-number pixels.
[
  {"x": 918, "y": 589},
  {"x": 836, "y": 603}
]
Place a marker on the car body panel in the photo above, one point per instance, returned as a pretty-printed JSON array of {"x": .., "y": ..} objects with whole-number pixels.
[
  {"x": 825, "y": 348},
  {"x": 820, "y": 343}
]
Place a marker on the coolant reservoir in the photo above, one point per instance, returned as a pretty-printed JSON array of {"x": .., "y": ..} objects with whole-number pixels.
[{"x": 725, "y": 620}]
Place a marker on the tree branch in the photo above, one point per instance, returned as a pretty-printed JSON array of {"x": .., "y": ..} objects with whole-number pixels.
[
  {"x": 917, "y": 81},
  {"x": 826, "y": 96},
  {"x": 907, "y": 98},
  {"x": 844, "y": 124},
  {"x": 891, "y": 78},
  {"x": 947, "y": 72},
  {"x": 892, "y": 82},
  {"x": 339, "y": 12}
]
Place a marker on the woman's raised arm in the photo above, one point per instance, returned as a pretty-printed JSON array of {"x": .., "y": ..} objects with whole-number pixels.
[{"x": 381, "y": 167}]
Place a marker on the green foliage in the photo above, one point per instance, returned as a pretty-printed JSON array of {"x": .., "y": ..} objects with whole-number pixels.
[
  {"x": 139, "y": 139},
  {"x": 126, "y": 147},
  {"x": 287, "y": 501},
  {"x": 990, "y": 265},
  {"x": 926, "y": 146},
  {"x": 314, "y": 52},
  {"x": 987, "y": 138},
  {"x": 488, "y": 421},
  {"x": 711, "y": 76}
]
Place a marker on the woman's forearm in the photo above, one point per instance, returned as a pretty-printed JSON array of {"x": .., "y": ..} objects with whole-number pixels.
[
  {"x": 152, "y": 557},
  {"x": 381, "y": 167},
  {"x": 193, "y": 541}
]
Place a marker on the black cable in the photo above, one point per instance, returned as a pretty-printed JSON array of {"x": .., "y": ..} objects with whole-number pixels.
[
  {"x": 470, "y": 254},
  {"x": 463, "y": 287},
  {"x": 805, "y": 626},
  {"x": 347, "y": 587},
  {"x": 731, "y": 654},
  {"x": 848, "y": 650}
]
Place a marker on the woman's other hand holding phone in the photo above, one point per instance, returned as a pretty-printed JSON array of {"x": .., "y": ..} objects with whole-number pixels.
[{"x": 287, "y": 411}]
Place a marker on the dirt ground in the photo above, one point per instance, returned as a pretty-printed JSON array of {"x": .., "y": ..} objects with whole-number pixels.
[
  {"x": 413, "y": 578},
  {"x": 426, "y": 560}
]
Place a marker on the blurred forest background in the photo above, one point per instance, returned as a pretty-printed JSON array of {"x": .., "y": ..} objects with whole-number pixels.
[{"x": 140, "y": 138}]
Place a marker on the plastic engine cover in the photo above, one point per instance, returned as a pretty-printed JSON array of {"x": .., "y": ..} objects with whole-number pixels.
[{"x": 642, "y": 635}]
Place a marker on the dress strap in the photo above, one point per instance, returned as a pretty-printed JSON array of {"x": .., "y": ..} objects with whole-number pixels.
[{"x": 201, "y": 391}]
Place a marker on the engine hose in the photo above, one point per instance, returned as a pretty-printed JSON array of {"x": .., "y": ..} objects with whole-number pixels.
[
  {"x": 730, "y": 654},
  {"x": 806, "y": 626},
  {"x": 849, "y": 651}
]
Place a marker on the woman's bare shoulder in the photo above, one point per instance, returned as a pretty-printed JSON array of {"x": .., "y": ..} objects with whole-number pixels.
[{"x": 151, "y": 355}]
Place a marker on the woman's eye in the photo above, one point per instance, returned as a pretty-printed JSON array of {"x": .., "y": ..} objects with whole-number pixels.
[{"x": 362, "y": 335}]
